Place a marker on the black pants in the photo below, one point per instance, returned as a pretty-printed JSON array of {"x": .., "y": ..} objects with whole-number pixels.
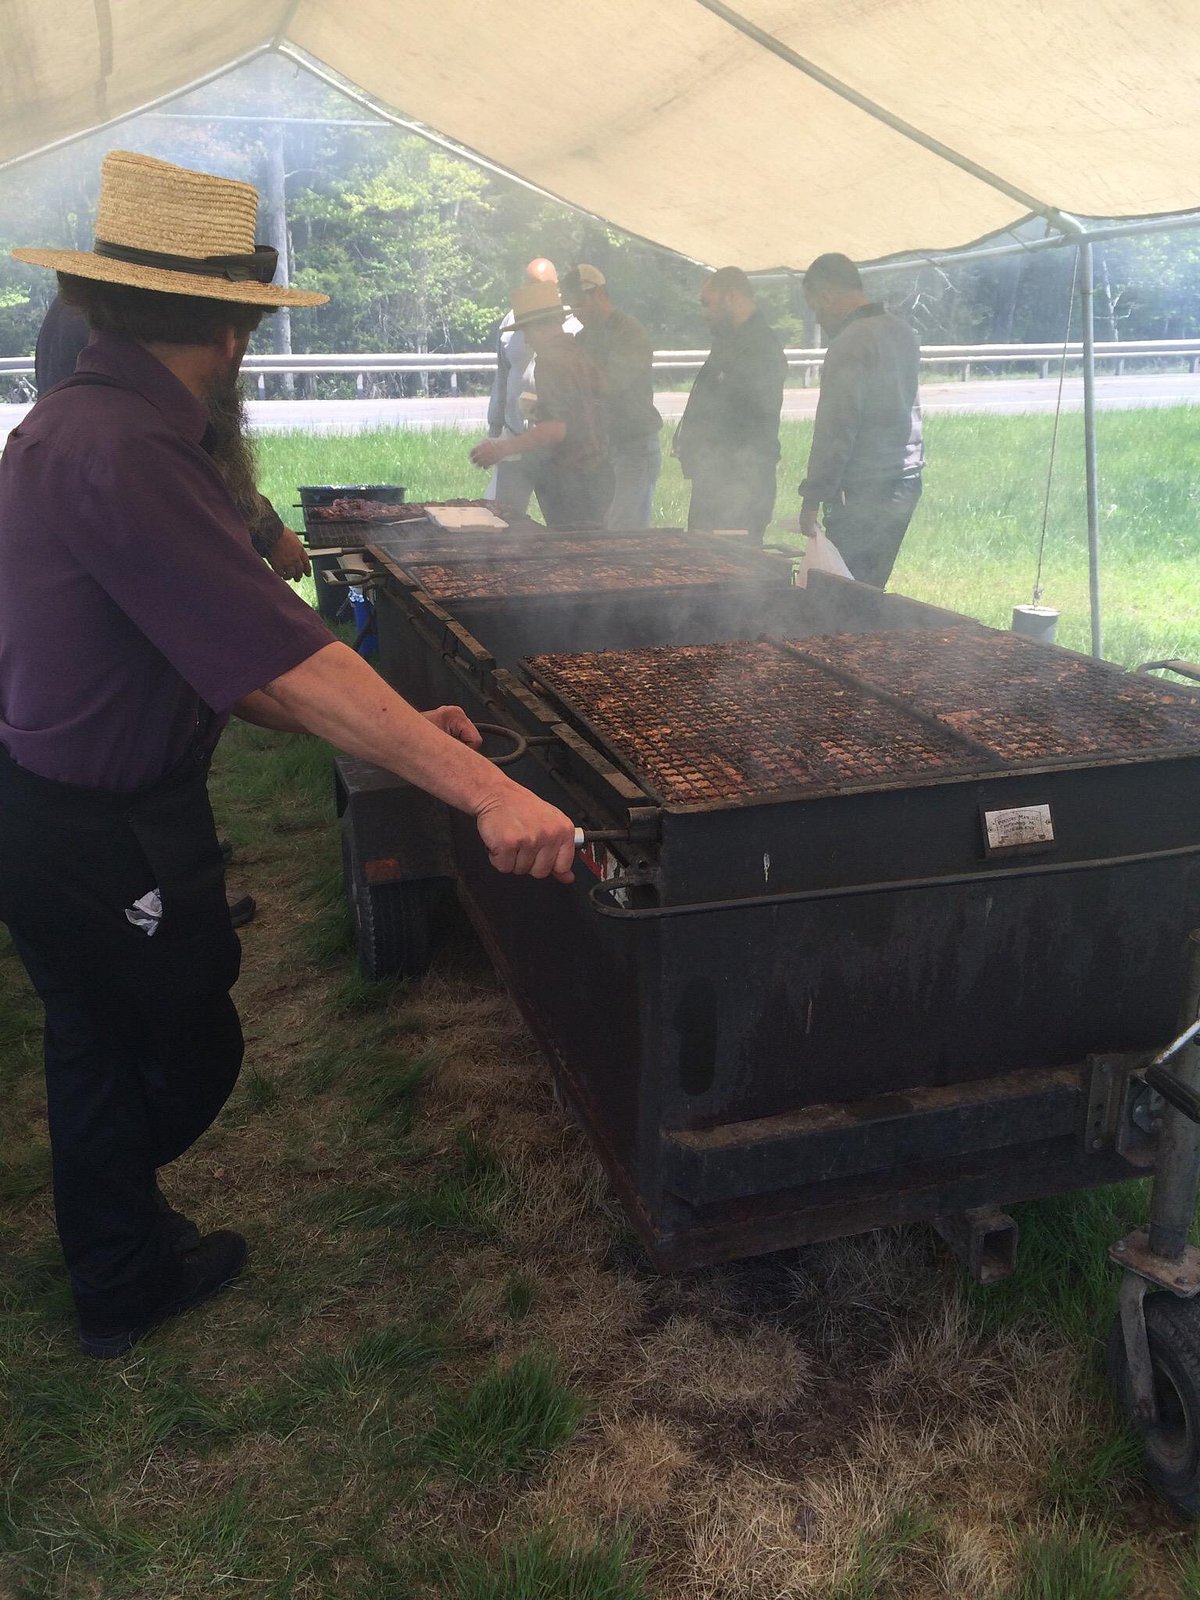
[
  {"x": 736, "y": 491},
  {"x": 869, "y": 528},
  {"x": 142, "y": 1040},
  {"x": 571, "y": 498}
]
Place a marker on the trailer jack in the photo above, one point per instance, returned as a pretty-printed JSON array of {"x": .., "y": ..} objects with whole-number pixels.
[{"x": 984, "y": 1240}]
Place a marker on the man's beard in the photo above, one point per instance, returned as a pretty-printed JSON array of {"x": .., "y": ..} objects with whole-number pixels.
[{"x": 232, "y": 449}]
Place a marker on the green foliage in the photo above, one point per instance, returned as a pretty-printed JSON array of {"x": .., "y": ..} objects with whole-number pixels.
[
  {"x": 1064, "y": 1278},
  {"x": 506, "y": 1423},
  {"x": 520, "y": 1294},
  {"x": 973, "y": 545},
  {"x": 879, "y": 1553},
  {"x": 1073, "y": 1567},
  {"x": 470, "y": 1191},
  {"x": 538, "y": 1569},
  {"x": 399, "y": 246},
  {"x": 1092, "y": 1481}
]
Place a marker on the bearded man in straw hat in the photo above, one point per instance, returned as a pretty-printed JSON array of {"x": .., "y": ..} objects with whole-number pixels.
[
  {"x": 565, "y": 450},
  {"x": 116, "y": 521}
]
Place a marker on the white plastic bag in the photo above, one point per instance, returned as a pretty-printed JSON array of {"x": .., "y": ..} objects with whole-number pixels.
[{"x": 822, "y": 555}]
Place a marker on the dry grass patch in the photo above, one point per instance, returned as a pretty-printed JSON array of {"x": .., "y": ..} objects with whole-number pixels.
[
  {"x": 690, "y": 1364},
  {"x": 589, "y": 1317},
  {"x": 622, "y": 1469}
]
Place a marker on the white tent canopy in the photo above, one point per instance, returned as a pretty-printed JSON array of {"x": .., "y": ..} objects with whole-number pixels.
[{"x": 758, "y": 134}]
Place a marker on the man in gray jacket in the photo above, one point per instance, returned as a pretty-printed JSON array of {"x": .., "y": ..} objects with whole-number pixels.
[{"x": 864, "y": 468}]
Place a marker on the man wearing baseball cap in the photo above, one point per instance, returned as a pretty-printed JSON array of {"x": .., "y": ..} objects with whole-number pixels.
[
  {"x": 623, "y": 351},
  {"x": 566, "y": 447},
  {"x": 114, "y": 514}
]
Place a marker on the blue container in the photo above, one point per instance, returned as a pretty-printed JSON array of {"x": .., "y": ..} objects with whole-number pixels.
[{"x": 364, "y": 617}]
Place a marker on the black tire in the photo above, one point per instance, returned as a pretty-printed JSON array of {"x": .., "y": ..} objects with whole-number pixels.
[
  {"x": 1173, "y": 1447},
  {"x": 391, "y": 920}
]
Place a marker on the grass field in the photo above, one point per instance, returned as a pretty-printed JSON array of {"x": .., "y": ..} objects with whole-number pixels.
[
  {"x": 449, "y": 1372},
  {"x": 973, "y": 544}
]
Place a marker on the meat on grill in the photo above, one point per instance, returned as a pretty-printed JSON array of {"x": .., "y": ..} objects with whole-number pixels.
[
  {"x": 756, "y": 720},
  {"x": 348, "y": 509},
  {"x": 472, "y": 580}
]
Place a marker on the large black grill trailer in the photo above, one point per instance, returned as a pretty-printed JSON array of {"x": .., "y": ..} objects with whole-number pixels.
[{"x": 881, "y": 916}]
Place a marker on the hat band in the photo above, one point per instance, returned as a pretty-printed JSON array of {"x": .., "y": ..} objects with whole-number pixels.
[{"x": 258, "y": 265}]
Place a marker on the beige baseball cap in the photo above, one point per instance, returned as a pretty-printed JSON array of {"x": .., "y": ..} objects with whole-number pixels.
[{"x": 581, "y": 278}]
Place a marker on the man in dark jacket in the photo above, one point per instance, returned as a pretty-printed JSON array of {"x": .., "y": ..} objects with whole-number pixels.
[
  {"x": 866, "y": 459},
  {"x": 728, "y": 439}
]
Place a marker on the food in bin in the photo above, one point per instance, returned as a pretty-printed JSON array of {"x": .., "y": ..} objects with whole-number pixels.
[{"x": 346, "y": 509}]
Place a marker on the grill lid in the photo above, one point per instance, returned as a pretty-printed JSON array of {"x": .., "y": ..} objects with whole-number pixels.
[{"x": 731, "y": 723}]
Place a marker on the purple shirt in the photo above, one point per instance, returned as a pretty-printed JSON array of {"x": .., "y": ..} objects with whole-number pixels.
[{"x": 132, "y": 605}]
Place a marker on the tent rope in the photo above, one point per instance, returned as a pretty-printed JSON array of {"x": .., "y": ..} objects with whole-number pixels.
[{"x": 1062, "y": 373}]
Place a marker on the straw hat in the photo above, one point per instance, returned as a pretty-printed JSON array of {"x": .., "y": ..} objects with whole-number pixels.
[
  {"x": 179, "y": 232},
  {"x": 536, "y": 302}
]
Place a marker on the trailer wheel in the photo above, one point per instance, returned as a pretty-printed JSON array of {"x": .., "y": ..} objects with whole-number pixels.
[
  {"x": 1172, "y": 1448},
  {"x": 391, "y": 920}
]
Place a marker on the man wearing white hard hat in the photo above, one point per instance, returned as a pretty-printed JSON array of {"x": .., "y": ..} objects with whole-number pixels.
[{"x": 114, "y": 512}]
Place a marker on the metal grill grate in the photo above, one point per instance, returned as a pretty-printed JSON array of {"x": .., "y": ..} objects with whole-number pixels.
[
  {"x": 1023, "y": 701},
  {"x": 583, "y": 574},
  {"x": 728, "y": 722},
  {"x": 425, "y": 545},
  {"x": 711, "y": 723}
]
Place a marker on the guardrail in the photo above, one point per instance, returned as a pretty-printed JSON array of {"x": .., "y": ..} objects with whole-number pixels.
[{"x": 1044, "y": 357}]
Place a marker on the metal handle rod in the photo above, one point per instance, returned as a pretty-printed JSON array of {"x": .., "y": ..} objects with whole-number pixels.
[
  {"x": 1173, "y": 1198},
  {"x": 1177, "y": 1045},
  {"x": 600, "y": 836}
]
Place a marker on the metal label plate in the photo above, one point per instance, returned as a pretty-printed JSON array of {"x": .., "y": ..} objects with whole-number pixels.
[{"x": 1018, "y": 829}]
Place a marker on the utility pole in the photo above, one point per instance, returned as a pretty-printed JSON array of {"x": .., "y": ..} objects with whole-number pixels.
[{"x": 275, "y": 218}]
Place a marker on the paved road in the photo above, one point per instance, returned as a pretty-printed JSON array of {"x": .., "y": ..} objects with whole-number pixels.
[{"x": 997, "y": 398}]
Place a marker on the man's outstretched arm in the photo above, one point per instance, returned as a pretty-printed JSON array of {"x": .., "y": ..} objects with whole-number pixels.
[{"x": 335, "y": 694}]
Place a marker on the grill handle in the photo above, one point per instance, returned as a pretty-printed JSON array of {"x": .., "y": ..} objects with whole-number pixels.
[
  {"x": 601, "y": 836},
  {"x": 1185, "y": 669},
  {"x": 499, "y": 730},
  {"x": 583, "y": 836}
]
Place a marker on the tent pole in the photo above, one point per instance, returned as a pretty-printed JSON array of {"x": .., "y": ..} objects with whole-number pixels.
[{"x": 1088, "y": 298}]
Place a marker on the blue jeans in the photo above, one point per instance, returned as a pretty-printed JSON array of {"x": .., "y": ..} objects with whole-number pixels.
[{"x": 636, "y": 467}]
